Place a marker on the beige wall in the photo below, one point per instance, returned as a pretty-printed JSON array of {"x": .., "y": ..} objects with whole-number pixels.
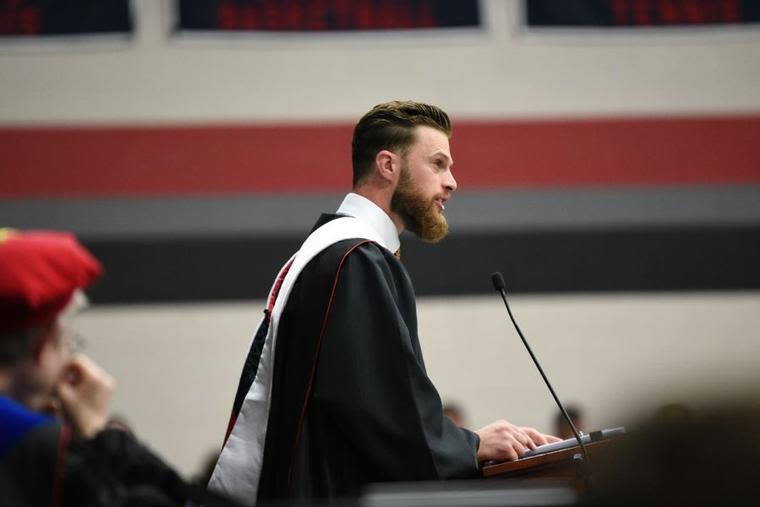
[
  {"x": 617, "y": 355},
  {"x": 499, "y": 72}
]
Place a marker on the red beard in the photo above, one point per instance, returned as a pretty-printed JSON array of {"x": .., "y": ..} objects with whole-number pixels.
[{"x": 421, "y": 215}]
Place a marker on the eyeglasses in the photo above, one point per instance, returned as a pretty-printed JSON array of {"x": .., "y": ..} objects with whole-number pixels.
[{"x": 74, "y": 341}]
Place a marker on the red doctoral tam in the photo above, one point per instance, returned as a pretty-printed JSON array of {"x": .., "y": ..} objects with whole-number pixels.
[{"x": 39, "y": 273}]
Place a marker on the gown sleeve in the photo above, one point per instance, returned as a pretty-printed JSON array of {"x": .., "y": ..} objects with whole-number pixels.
[
  {"x": 371, "y": 378},
  {"x": 115, "y": 469},
  {"x": 50, "y": 466}
]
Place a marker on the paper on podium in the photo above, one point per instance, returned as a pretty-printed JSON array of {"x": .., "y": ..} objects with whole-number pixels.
[{"x": 572, "y": 442}]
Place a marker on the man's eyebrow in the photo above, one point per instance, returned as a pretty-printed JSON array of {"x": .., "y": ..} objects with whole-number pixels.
[{"x": 443, "y": 154}]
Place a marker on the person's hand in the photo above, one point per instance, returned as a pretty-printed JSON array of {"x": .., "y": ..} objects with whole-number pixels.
[
  {"x": 503, "y": 441},
  {"x": 85, "y": 391},
  {"x": 540, "y": 438}
]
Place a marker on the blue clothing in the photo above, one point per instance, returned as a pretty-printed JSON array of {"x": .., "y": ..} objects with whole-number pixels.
[
  {"x": 16, "y": 421},
  {"x": 43, "y": 464}
]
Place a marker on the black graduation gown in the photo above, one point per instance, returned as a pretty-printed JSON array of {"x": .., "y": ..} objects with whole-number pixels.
[
  {"x": 45, "y": 465},
  {"x": 351, "y": 401}
]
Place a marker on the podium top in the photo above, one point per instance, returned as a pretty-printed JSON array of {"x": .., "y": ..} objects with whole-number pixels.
[{"x": 537, "y": 462}]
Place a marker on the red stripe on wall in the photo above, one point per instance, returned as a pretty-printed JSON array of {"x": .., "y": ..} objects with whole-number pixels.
[{"x": 206, "y": 160}]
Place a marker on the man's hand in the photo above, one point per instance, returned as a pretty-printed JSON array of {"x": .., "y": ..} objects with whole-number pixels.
[
  {"x": 503, "y": 441},
  {"x": 85, "y": 392}
]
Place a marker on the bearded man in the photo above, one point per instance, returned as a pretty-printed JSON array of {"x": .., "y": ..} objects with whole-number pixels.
[{"x": 334, "y": 393}]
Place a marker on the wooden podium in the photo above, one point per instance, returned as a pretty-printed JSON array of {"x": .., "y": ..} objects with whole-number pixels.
[{"x": 564, "y": 464}]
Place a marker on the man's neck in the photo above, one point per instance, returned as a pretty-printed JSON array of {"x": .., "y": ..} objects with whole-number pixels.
[{"x": 382, "y": 200}]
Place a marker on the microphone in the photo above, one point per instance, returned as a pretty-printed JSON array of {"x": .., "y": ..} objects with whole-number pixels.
[{"x": 498, "y": 283}]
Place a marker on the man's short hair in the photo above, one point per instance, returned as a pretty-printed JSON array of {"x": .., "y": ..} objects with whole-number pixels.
[
  {"x": 575, "y": 413},
  {"x": 390, "y": 126}
]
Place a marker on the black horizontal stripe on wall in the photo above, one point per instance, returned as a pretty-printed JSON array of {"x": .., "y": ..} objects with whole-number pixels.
[
  {"x": 234, "y": 268},
  {"x": 470, "y": 210}
]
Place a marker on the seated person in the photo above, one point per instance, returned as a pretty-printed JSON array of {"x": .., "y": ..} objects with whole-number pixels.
[
  {"x": 562, "y": 429},
  {"x": 55, "y": 446}
]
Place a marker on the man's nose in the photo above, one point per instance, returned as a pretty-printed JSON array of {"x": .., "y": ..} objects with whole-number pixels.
[{"x": 449, "y": 183}]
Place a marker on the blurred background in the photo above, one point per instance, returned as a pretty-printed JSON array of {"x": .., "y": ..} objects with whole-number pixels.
[{"x": 607, "y": 154}]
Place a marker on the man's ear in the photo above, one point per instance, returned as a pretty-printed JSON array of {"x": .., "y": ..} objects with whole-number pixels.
[{"x": 388, "y": 165}]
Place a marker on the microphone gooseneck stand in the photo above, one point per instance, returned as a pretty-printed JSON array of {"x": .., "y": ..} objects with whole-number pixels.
[{"x": 582, "y": 460}]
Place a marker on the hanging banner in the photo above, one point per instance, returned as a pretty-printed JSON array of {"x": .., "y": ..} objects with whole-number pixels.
[
  {"x": 325, "y": 15},
  {"x": 640, "y": 13},
  {"x": 30, "y": 18}
]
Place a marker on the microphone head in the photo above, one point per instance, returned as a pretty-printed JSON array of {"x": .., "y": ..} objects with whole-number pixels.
[{"x": 498, "y": 281}]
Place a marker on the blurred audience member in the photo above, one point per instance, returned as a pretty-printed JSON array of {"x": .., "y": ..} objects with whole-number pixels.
[
  {"x": 455, "y": 412},
  {"x": 55, "y": 444},
  {"x": 562, "y": 429},
  {"x": 672, "y": 412},
  {"x": 699, "y": 458}
]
